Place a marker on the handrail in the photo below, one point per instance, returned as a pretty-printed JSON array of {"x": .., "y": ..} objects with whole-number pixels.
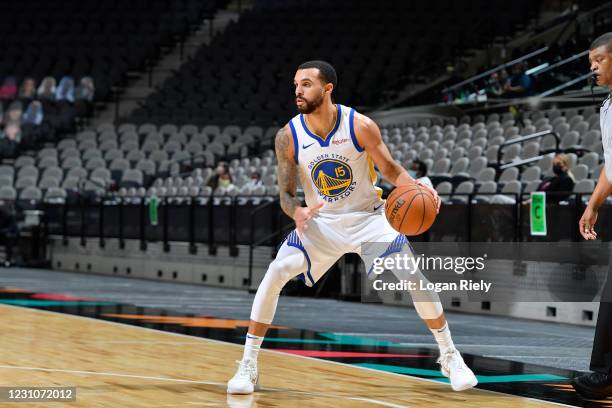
[
  {"x": 524, "y": 139},
  {"x": 562, "y": 62},
  {"x": 566, "y": 84},
  {"x": 496, "y": 69},
  {"x": 520, "y": 162},
  {"x": 82, "y": 181}
]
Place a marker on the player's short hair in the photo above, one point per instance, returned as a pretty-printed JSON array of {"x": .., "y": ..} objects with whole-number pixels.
[
  {"x": 327, "y": 73},
  {"x": 602, "y": 40}
]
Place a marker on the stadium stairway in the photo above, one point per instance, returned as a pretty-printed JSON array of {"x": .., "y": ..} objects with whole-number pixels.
[{"x": 166, "y": 66}]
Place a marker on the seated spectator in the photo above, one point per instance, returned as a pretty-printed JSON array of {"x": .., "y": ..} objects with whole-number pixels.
[
  {"x": 34, "y": 114},
  {"x": 497, "y": 83},
  {"x": 8, "y": 90},
  {"x": 84, "y": 95},
  {"x": 255, "y": 180},
  {"x": 561, "y": 182},
  {"x": 65, "y": 90},
  {"x": 222, "y": 177},
  {"x": 225, "y": 180},
  {"x": 46, "y": 90},
  {"x": 418, "y": 171},
  {"x": 520, "y": 84},
  {"x": 28, "y": 89},
  {"x": 12, "y": 132},
  {"x": 9, "y": 140},
  {"x": 14, "y": 112},
  {"x": 85, "y": 90}
]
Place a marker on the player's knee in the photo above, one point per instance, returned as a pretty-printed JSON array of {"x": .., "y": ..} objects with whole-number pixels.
[
  {"x": 279, "y": 273},
  {"x": 429, "y": 310}
]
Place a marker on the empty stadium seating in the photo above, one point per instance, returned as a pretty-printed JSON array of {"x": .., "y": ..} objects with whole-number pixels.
[
  {"x": 168, "y": 161},
  {"x": 245, "y": 75},
  {"x": 129, "y": 157},
  {"x": 463, "y": 157}
]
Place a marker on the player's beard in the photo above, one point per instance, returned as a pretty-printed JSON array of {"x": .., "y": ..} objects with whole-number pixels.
[{"x": 309, "y": 106}]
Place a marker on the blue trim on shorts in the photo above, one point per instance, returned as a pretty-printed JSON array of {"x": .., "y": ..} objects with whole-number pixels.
[
  {"x": 293, "y": 240},
  {"x": 395, "y": 246}
]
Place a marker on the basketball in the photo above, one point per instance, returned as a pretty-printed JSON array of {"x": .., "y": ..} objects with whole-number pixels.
[{"x": 411, "y": 209}]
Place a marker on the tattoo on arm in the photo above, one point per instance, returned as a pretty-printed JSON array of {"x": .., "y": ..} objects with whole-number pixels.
[{"x": 286, "y": 173}]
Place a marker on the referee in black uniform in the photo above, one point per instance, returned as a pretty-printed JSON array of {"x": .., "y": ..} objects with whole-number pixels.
[{"x": 598, "y": 384}]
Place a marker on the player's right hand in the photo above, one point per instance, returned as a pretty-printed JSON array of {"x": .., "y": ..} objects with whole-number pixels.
[
  {"x": 587, "y": 224},
  {"x": 433, "y": 192},
  {"x": 302, "y": 215}
]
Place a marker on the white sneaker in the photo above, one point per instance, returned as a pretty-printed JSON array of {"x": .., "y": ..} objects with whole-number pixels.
[
  {"x": 453, "y": 367},
  {"x": 246, "y": 380}
]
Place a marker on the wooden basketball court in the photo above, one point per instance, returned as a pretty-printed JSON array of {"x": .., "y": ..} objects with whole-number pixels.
[{"x": 115, "y": 365}]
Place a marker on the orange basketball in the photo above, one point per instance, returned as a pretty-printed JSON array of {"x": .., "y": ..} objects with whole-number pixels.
[{"x": 410, "y": 209}]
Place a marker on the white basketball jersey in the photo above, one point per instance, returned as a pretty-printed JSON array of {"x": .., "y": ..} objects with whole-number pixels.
[
  {"x": 605, "y": 124},
  {"x": 334, "y": 170}
]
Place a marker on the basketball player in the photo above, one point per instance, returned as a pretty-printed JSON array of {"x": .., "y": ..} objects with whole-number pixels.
[
  {"x": 598, "y": 384},
  {"x": 333, "y": 149}
]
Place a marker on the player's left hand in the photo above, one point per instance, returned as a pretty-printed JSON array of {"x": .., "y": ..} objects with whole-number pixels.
[
  {"x": 302, "y": 215},
  {"x": 433, "y": 192}
]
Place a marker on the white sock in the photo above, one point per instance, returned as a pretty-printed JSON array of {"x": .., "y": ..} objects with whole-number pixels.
[
  {"x": 251, "y": 347},
  {"x": 443, "y": 337}
]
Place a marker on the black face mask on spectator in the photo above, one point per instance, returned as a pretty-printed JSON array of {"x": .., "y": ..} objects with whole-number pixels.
[{"x": 558, "y": 169}]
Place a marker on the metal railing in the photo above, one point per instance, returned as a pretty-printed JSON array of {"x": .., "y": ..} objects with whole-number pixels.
[
  {"x": 566, "y": 84},
  {"x": 560, "y": 63},
  {"x": 522, "y": 139}
]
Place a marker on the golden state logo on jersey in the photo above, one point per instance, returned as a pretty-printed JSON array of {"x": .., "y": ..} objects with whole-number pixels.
[{"x": 333, "y": 177}]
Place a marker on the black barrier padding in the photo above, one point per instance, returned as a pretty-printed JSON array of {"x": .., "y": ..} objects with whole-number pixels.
[
  {"x": 243, "y": 223},
  {"x": 451, "y": 224},
  {"x": 267, "y": 222},
  {"x": 202, "y": 224},
  {"x": 131, "y": 221},
  {"x": 111, "y": 221},
  {"x": 92, "y": 220},
  {"x": 455, "y": 223},
  {"x": 560, "y": 223},
  {"x": 178, "y": 222},
  {"x": 493, "y": 222},
  {"x": 604, "y": 223},
  {"x": 73, "y": 221},
  {"x": 221, "y": 224},
  {"x": 53, "y": 217}
]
